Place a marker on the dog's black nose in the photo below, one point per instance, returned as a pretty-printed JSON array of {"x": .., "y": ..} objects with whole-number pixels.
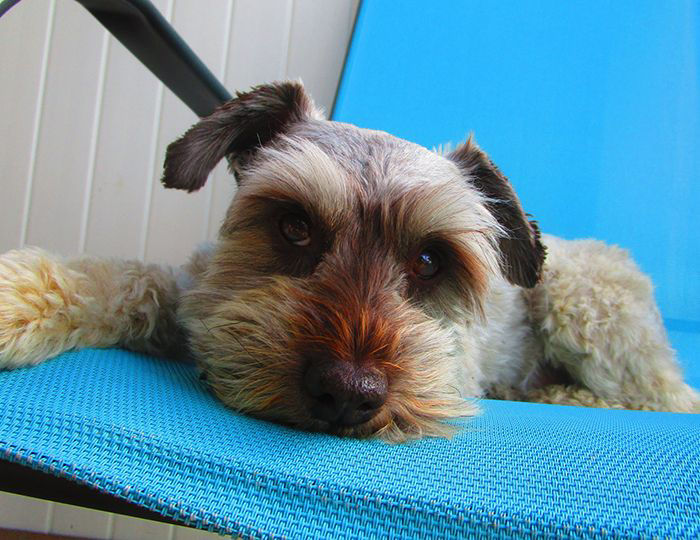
[{"x": 342, "y": 393}]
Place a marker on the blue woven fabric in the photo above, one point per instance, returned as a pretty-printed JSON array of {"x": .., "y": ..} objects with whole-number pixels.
[{"x": 146, "y": 430}]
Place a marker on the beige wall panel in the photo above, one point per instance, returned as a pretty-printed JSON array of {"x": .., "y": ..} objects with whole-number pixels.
[
  {"x": 130, "y": 528},
  {"x": 319, "y": 36},
  {"x": 177, "y": 221},
  {"x": 115, "y": 216},
  {"x": 259, "y": 43},
  {"x": 65, "y": 134},
  {"x": 23, "y": 35},
  {"x": 24, "y": 513},
  {"x": 185, "y": 533},
  {"x": 77, "y": 522}
]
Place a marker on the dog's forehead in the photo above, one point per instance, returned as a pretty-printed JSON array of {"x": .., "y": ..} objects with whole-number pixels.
[
  {"x": 351, "y": 177},
  {"x": 376, "y": 159}
]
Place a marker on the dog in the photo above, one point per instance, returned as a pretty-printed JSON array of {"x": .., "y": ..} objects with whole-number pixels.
[{"x": 360, "y": 285}]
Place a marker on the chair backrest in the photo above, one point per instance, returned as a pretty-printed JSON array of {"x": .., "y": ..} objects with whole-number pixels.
[{"x": 592, "y": 109}]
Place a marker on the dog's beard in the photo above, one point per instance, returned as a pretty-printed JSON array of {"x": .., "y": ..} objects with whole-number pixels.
[{"x": 252, "y": 348}]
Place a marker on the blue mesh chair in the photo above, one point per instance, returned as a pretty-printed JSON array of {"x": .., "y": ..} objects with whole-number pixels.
[{"x": 592, "y": 110}]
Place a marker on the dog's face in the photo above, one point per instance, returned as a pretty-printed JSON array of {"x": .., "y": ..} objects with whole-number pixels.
[{"x": 349, "y": 268}]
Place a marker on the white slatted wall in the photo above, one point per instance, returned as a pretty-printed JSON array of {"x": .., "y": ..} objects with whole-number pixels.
[
  {"x": 83, "y": 131},
  {"x": 84, "y": 127},
  {"x": 24, "y": 513}
]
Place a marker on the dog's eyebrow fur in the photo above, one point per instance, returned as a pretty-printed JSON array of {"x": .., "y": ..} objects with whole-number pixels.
[
  {"x": 429, "y": 209},
  {"x": 298, "y": 171}
]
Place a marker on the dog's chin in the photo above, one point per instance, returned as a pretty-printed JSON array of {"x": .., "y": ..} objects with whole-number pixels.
[
  {"x": 296, "y": 415},
  {"x": 388, "y": 427},
  {"x": 392, "y": 426},
  {"x": 372, "y": 428}
]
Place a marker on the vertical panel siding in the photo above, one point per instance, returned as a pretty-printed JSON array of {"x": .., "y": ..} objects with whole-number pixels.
[
  {"x": 318, "y": 40},
  {"x": 129, "y": 528},
  {"x": 65, "y": 130},
  {"x": 259, "y": 42},
  {"x": 24, "y": 513},
  {"x": 18, "y": 512},
  {"x": 92, "y": 152},
  {"x": 115, "y": 212},
  {"x": 221, "y": 73},
  {"x": 24, "y": 39},
  {"x": 78, "y": 522},
  {"x": 156, "y": 123}
]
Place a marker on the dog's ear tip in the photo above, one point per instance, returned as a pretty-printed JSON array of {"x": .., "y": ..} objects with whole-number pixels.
[
  {"x": 172, "y": 182},
  {"x": 525, "y": 268},
  {"x": 168, "y": 183},
  {"x": 529, "y": 274},
  {"x": 176, "y": 172},
  {"x": 288, "y": 91}
]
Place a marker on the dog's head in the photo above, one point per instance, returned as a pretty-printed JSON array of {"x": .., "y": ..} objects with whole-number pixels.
[{"x": 349, "y": 269}]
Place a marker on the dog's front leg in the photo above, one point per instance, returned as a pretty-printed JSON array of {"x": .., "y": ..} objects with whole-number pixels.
[{"x": 48, "y": 306}]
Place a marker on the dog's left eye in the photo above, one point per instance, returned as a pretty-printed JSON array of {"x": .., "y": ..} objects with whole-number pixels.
[
  {"x": 295, "y": 229},
  {"x": 427, "y": 264}
]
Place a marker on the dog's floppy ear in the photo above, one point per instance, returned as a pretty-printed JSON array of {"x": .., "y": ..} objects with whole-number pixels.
[
  {"x": 522, "y": 252},
  {"x": 234, "y": 129}
]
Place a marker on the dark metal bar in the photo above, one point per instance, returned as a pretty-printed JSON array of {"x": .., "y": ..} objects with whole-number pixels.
[
  {"x": 5, "y": 6},
  {"x": 149, "y": 37}
]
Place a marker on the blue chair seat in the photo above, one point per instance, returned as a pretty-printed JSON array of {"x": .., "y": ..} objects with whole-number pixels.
[{"x": 146, "y": 430}]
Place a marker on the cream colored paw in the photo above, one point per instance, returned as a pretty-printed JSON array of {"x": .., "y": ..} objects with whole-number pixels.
[{"x": 41, "y": 311}]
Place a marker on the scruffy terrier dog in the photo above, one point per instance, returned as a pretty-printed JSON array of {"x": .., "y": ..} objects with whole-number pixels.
[{"x": 360, "y": 285}]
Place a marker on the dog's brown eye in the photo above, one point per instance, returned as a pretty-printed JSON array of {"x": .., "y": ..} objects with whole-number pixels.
[
  {"x": 295, "y": 229},
  {"x": 427, "y": 264}
]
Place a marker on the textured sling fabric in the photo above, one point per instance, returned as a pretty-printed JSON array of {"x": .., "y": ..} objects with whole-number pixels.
[{"x": 146, "y": 430}]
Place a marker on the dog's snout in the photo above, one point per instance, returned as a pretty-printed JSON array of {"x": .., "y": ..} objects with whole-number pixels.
[{"x": 344, "y": 394}]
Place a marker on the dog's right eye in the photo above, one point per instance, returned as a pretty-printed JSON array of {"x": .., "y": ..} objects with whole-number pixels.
[
  {"x": 295, "y": 230},
  {"x": 427, "y": 264}
]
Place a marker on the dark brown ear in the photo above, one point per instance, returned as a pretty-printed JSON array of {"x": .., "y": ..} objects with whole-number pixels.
[
  {"x": 522, "y": 252},
  {"x": 234, "y": 129}
]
